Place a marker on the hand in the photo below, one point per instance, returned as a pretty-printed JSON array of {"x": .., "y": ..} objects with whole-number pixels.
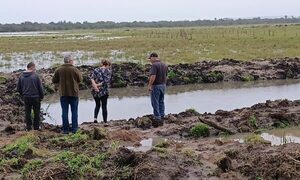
[
  {"x": 99, "y": 84},
  {"x": 149, "y": 88}
]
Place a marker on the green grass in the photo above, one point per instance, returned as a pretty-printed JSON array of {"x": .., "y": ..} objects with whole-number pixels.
[
  {"x": 72, "y": 138},
  {"x": 80, "y": 164},
  {"x": 256, "y": 139},
  {"x": 200, "y": 130},
  {"x": 31, "y": 166},
  {"x": 175, "y": 45},
  {"x": 21, "y": 145}
]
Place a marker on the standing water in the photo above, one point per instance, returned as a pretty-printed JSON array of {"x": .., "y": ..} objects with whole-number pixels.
[{"x": 132, "y": 102}]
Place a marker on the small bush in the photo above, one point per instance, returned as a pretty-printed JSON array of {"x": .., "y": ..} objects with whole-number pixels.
[
  {"x": 171, "y": 74},
  {"x": 253, "y": 121},
  {"x": 200, "y": 130}
]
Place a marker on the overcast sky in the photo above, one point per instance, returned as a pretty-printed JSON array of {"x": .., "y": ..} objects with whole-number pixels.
[{"x": 16, "y": 11}]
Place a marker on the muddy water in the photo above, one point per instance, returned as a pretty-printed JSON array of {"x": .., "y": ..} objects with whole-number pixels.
[
  {"x": 275, "y": 137},
  {"x": 133, "y": 102}
]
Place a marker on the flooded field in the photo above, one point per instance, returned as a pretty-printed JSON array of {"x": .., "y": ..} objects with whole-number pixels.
[{"x": 133, "y": 102}]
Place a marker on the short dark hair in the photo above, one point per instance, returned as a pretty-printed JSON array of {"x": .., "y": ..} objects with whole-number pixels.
[
  {"x": 153, "y": 55},
  {"x": 30, "y": 65}
]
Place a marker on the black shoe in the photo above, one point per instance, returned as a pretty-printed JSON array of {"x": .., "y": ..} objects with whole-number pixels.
[{"x": 95, "y": 121}]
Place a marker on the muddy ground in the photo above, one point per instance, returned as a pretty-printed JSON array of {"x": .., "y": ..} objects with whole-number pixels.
[
  {"x": 183, "y": 149},
  {"x": 176, "y": 153}
]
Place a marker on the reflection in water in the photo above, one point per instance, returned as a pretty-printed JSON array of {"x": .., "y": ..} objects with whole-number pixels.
[
  {"x": 282, "y": 136},
  {"x": 133, "y": 102}
]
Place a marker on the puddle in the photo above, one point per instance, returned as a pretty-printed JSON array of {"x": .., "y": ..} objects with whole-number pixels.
[
  {"x": 277, "y": 137},
  {"x": 133, "y": 102},
  {"x": 147, "y": 144}
]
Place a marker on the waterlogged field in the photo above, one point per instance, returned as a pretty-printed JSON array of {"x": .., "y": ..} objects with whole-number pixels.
[{"x": 175, "y": 45}]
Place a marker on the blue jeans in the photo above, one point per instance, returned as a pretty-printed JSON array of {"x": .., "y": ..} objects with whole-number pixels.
[
  {"x": 157, "y": 100},
  {"x": 65, "y": 102}
]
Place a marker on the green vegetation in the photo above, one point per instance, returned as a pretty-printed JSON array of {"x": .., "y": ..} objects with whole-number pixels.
[
  {"x": 253, "y": 121},
  {"x": 13, "y": 162},
  {"x": 200, "y": 130},
  {"x": 256, "y": 139},
  {"x": 21, "y": 145},
  {"x": 72, "y": 138},
  {"x": 31, "y": 166},
  {"x": 174, "y": 45},
  {"x": 80, "y": 164},
  {"x": 162, "y": 144},
  {"x": 248, "y": 78},
  {"x": 171, "y": 74},
  {"x": 192, "y": 111}
]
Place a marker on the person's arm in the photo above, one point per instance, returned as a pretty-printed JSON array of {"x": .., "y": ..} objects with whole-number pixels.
[
  {"x": 19, "y": 87},
  {"x": 151, "y": 81},
  {"x": 93, "y": 82},
  {"x": 79, "y": 75},
  {"x": 55, "y": 78},
  {"x": 40, "y": 88},
  {"x": 153, "y": 72},
  {"x": 166, "y": 74}
]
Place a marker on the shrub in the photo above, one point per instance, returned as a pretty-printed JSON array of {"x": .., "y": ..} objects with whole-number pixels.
[{"x": 200, "y": 130}]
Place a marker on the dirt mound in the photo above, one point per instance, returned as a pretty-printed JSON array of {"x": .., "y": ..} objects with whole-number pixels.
[
  {"x": 265, "y": 162},
  {"x": 124, "y": 135},
  {"x": 50, "y": 171}
]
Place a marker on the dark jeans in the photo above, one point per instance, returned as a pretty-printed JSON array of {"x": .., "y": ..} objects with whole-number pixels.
[
  {"x": 101, "y": 101},
  {"x": 35, "y": 105},
  {"x": 65, "y": 102},
  {"x": 157, "y": 100}
]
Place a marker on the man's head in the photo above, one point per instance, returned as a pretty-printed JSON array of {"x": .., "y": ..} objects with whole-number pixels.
[
  {"x": 153, "y": 57},
  {"x": 68, "y": 59},
  {"x": 31, "y": 66}
]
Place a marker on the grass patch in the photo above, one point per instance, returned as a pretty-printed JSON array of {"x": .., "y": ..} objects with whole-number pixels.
[
  {"x": 21, "y": 145},
  {"x": 256, "y": 139},
  {"x": 81, "y": 164},
  {"x": 31, "y": 166},
  {"x": 207, "y": 43},
  {"x": 200, "y": 130},
  {"x": 72, "y": 138}
]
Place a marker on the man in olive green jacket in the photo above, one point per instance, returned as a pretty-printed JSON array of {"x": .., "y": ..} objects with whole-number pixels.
[{"x": 68, "y": 77}]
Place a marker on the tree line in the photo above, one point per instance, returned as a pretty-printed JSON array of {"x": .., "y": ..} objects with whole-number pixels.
[{"x": 64, "y": 25}]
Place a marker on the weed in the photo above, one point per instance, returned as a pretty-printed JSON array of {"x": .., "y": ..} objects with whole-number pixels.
[
  {"x": 171, "y": 74},
  {"x": 73, "y": 138},
  {"x": 248, "y": 78},
  {"x": 13, "y": 162},
  {"x": 162, "y": 144},
  {"x": 21, "y": 145},
  {"x": 189, "y": 152},
  {"x": 114, "y": 145},
  {"x": 31, "y": 166},
  {"x": 200, "y": 130},
  {"x": 80, "y": 164},
  {"x": 256, "y": 139},
  {"x": 253, "y": 121}
]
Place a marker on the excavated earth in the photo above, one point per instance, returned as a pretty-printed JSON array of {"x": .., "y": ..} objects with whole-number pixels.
[{"x": 173, "y": 152}]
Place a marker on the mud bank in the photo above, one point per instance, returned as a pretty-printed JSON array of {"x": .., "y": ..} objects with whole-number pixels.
[
  {"x": 181, "y": 149},
  {"x": 132, "y": 74}
]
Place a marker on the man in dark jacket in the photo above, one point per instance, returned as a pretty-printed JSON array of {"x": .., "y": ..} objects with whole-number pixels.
[
  {"x": 31, "y": 89},
  {"x": 68, "y": 77}
]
